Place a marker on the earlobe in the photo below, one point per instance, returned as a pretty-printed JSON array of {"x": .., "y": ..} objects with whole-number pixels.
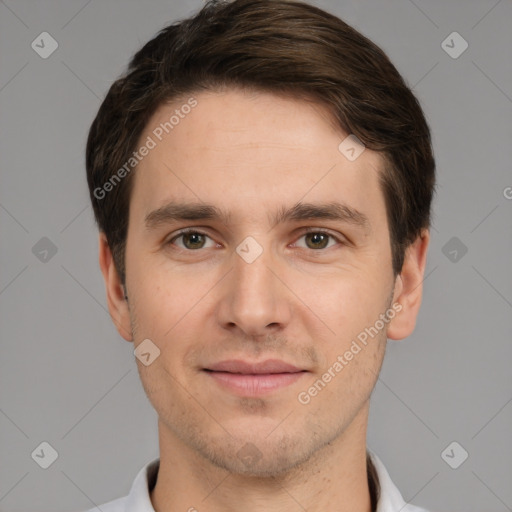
[
  {"x": 409, "y": 288},
  {"x": 116, "y": 294}
]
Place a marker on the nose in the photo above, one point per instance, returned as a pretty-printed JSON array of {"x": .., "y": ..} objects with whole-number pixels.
[{"x": 254, "y": 300}]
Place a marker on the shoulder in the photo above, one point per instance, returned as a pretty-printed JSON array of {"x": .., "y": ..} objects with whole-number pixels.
[
  {"x": 117, "y": 505},
  {"x": 390, "y": 499},
  {"x": 138, "y": 499},
  {"x": 412, "y": 508}
]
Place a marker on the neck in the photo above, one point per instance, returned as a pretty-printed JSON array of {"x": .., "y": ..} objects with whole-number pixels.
[{"x": 336, "y": 474}]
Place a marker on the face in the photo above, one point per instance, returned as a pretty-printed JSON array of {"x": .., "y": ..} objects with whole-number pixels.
[{"x": 270, "y": 313}]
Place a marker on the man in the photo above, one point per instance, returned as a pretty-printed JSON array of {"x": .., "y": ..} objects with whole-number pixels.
[{"x": 262, "y": 180}]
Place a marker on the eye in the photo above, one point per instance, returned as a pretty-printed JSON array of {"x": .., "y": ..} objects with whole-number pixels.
[
  {"x": 191, "y": 238},
  {"x": 317, "y": 239}
]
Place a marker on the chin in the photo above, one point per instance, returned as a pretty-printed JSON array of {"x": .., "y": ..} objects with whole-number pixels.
[{"x": 263, "y": 458}]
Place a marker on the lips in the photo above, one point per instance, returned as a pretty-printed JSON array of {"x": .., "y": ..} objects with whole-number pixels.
[
  {"x": 249, "y": 379},
  {"x": 265, "y": 367}
]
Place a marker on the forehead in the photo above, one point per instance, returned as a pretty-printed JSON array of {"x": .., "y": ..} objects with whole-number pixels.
[{"x": 248, "y": 151}]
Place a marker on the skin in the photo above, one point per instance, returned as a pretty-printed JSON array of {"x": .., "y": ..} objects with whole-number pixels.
[{"x": 302, "y": 301}]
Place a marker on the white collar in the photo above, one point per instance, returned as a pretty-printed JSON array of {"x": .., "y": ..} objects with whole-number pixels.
[{"x": 138, "y": 500}]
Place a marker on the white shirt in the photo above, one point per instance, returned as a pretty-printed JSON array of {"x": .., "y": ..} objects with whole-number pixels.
[{"x": 138, "y": 500}]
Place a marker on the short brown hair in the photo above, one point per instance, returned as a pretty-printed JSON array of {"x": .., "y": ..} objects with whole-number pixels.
[{"x": 276, "y": 46}]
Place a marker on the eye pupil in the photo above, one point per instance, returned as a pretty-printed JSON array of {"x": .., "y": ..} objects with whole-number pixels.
[
  {"x": 318, "y": 238},
  {"x": 196, "y": 239}
]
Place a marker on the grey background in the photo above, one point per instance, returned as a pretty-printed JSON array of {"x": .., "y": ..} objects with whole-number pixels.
[{"x": 68, "y": 378}]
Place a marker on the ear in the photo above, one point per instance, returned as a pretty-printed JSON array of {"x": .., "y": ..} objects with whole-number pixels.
[
  {"x": 409, "y": 288},
  {"x": 117, "y": 304}
]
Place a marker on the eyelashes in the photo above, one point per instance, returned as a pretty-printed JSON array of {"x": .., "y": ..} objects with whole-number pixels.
[{"x": 190, "y": 232}]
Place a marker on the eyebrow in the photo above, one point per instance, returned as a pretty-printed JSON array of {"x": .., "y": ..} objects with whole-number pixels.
[{"x": 178, "y": 211}]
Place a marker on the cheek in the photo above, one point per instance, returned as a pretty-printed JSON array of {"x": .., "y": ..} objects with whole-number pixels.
[
  {"x": 346, "y": 303},
  {"x": 161, "y": 301}
]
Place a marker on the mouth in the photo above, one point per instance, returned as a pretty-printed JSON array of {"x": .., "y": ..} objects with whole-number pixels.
[{"x": 254, "y": 379}]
